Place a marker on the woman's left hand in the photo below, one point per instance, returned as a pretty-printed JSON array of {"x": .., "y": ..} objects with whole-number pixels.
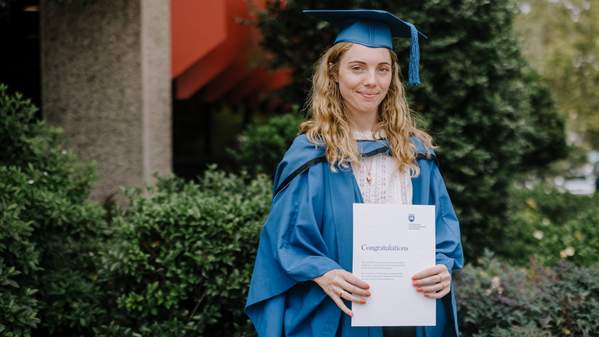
[{"x": 433, "y": 282}]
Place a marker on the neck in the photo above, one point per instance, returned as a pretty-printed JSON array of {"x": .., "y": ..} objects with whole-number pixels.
[{"x": 363, "y": 121}]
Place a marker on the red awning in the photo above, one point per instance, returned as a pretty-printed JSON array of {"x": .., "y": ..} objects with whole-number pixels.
[{"x": 212, "y": 47}]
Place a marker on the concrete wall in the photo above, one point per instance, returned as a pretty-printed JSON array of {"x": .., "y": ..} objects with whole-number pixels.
[{"x": 106, "y": 82}]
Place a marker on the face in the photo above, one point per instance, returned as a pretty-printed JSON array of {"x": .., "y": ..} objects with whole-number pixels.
[{"x": 364, "y": 78}]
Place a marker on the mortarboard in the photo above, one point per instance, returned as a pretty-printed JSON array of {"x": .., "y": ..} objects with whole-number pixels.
[{"x": 375, "y": 29}]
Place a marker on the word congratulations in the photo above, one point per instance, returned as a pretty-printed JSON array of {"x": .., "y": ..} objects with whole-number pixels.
[{"x": 388, "y": 247}]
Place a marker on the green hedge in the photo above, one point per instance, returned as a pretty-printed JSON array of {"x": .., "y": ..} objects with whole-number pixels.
[
  {"x": 498, "y": 299},
  {"x": 19, "y": 259},
  {"x": 49, "y": 233},
  {"x": 181, "y": 258}
]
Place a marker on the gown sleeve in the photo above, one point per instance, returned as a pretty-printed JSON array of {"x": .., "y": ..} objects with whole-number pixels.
[
  {"x": 448, "y": 242},
  {"x": 291, "y": 250},
  {"x": 448, "y": 251},
  {"x": 296, "y": 214}
]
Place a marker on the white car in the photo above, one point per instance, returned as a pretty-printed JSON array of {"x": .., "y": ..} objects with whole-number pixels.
[
  {"x": 581, "y": 185},
  {"x": 582, "y": 180}
]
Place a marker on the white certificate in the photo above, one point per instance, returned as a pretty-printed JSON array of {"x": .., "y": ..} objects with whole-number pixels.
[{"x": 393, "y": 242}]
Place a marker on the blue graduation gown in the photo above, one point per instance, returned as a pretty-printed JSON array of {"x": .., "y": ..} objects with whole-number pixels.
[{"x": 309, "y": 232}]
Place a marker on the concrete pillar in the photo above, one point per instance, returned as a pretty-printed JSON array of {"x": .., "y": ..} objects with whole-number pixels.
[{"x": 106, "y": 82}]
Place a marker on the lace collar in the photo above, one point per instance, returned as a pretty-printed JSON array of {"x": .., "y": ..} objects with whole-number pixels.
[{"x": 368, "y": 135}]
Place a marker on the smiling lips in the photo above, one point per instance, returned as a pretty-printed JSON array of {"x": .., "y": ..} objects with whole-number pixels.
[{"x": 367, "y": 95}]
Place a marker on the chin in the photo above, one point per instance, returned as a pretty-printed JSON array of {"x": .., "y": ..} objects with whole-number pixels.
[{"x": 368, "y": 107}]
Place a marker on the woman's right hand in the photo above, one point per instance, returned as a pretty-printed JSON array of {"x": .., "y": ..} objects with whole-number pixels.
[{"x": 340, "y": 284}]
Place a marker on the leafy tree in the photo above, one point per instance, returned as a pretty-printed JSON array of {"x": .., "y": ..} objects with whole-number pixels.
[
  {"x": 560, "y": 40},
  {"x": 480, "y": 100}
]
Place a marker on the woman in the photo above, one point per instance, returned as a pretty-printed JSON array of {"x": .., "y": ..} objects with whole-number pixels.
[{"x": 360, "y": 144}]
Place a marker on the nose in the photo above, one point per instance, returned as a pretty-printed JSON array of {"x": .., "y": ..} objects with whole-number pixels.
[{"x": 370, "y": 79}]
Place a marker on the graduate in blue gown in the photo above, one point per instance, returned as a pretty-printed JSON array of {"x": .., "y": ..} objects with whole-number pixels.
[{"x": 302, "y": 283}]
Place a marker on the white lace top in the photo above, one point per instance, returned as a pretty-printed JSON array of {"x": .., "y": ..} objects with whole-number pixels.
[{"x": 386, "y": 183}]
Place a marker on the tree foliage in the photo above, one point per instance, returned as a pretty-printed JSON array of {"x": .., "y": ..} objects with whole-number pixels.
[{"x": 560, "y": 38}]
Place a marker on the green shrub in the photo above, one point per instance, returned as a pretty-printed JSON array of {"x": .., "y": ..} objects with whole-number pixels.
[
  {"x": 262, "y": 145},
  {"x": 530, "y": 330},
  {"x": 551, "y": 226},
  {"x": 181, "y": 258},
  {"x": 18, "y": 259},
  {"x": 49, "y": 232},
  {"x": 498, "y": 299}
]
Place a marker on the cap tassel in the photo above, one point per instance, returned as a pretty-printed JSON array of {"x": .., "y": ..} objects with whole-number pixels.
[{"x": 414, "y": 74}]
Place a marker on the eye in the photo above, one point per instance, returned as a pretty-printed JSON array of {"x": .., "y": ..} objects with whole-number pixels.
[
  {"x": 356, "y": 68},
  {"x": 384, "y": 70}
]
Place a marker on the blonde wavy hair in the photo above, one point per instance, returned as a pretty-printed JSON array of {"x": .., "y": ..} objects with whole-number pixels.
[{"x": 328, "y": 122}]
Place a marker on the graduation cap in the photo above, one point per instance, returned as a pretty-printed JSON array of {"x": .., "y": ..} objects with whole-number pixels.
[{"x": 375, "y": 29}]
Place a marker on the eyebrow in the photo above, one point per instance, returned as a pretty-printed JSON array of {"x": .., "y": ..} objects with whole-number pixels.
[{"x": 362, "y": 62}]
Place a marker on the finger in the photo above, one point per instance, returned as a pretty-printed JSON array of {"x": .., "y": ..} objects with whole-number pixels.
[
  {"x": 434, "y": 279},
  {"x": 351, "y": 278},
  {"x": 427, "y": 281},
  {"x": 342, "y": 305},
  {"x": 350, "y": 297},
  {"x": 429, "y": 272},
  {"x": 439, "y": 294},
  {"x": 434, "y": 288},
  {"x": 353, "y": 289}
]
